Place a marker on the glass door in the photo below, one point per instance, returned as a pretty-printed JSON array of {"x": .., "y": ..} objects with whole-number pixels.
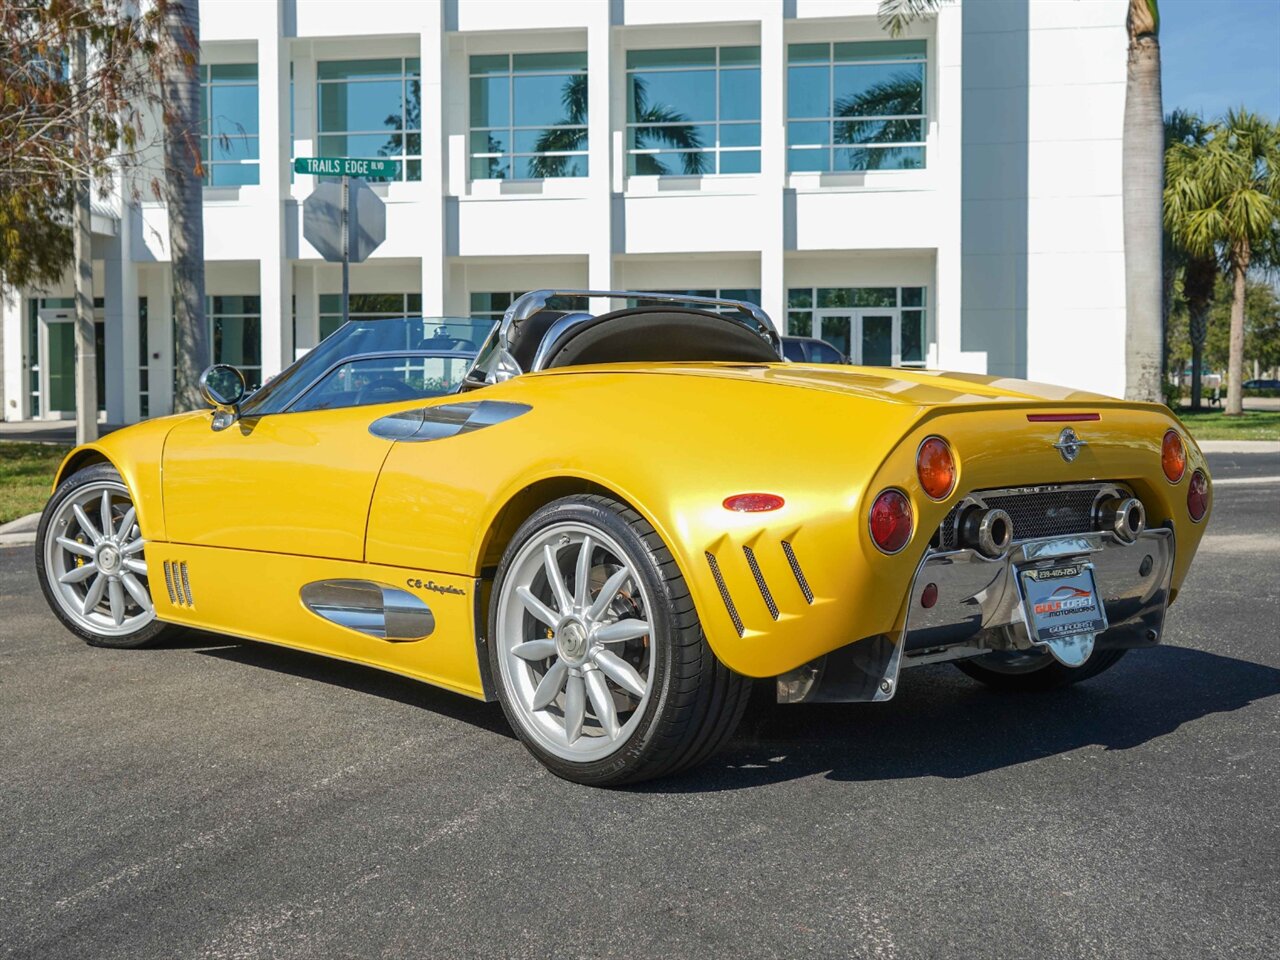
[
  {"x": 57, "y": 373},
  {"x": 835, "y": 327},
  {"x": 878, "y": 338}
]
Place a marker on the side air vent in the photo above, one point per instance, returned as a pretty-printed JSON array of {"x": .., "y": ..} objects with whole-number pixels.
[
  {"x": 178, "y": 583},
  {"x": 764, "y": 587},
  {"x": 724, "y": 593},
  {"x": 799, "y": 574}
]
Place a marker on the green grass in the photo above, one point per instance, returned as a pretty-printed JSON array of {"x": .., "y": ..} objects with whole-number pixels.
[
  {"x": 1215, "y": 425},
  {"x": 26, "y": 472}
]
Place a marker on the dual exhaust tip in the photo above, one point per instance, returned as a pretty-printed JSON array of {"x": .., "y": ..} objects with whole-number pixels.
[{"x": 989, "y": 531}]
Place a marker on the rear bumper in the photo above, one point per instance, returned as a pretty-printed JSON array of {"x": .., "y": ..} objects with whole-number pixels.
[{"x": 978, "y": 609}]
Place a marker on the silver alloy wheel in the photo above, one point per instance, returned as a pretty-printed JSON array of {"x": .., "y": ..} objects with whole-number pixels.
[
  {"x": 93, "y": 556},
  {"x": 574, "y": 644}
]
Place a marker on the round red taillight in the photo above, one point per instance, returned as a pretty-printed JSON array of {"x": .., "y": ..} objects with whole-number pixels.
[
  {"x": 753, "y": 502},
  {"x": 1173, "y": 456},
  {"x": 1198, "y": 496},
  {"x": 936, "y": 468},
  {"x": 891, "y": 521}
]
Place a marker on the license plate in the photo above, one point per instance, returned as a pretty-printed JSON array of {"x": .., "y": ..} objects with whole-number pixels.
[{"x": 1061, "y": 601}]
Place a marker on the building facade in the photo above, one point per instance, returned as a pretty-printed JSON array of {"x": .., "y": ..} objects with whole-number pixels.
[{"x": 950, "y": 198}]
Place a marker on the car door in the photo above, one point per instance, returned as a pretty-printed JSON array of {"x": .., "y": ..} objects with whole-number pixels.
[{"x": 297, "y": 481}]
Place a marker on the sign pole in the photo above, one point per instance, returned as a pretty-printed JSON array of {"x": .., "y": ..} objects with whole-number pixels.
[{"x": 346, "y": 248}]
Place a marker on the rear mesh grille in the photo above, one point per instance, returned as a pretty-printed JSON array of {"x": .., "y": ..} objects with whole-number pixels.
[{"x": 1035, "y": 512}]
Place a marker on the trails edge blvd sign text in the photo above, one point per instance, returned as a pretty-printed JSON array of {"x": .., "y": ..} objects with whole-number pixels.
[{"x": 344, "y": 167}]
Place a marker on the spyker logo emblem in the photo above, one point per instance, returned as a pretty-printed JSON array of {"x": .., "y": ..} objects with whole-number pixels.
[{"x": 1069, "y": 444}]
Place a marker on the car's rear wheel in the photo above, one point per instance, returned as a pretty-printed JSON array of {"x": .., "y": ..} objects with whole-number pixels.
[
  {"x": 601, "y": 665},
  {"x": 1031, "y": 670},
  {"x": 90, "y": 561}
]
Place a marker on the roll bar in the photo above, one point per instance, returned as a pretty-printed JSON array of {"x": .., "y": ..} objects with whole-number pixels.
[{"x": 498, "y": 363}]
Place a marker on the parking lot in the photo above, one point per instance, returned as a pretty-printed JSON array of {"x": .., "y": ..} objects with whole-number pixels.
[{"x": 224, "y": 799}]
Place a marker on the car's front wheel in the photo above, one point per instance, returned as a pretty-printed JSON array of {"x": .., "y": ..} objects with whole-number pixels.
[
  {"x": 90, "y": 561},
  {"x": 601, "y": 665}
]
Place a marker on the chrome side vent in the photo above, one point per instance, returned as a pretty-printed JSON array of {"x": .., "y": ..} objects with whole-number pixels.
[
  {"x": 178, "y": 582},
  {"x": 724, "y": 593},
  {"x": 760, "y": 582},
  {"x": 799, "y": 574}
]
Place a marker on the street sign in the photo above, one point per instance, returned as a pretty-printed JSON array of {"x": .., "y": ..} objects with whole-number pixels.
[
  {"x": 345, "y": 222},
  {"x": 322, "y": 221},
  {"x": 345, "y": 167}
]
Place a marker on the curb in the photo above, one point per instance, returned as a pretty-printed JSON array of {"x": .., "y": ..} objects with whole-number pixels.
[
  {"x": 20, "y": 532},
  {"x": 1239, "y": 446}
]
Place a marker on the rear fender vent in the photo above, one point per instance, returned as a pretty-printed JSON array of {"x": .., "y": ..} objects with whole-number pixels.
[
  {"x": 801, "y": 581},
  {"x": 760, "y": 582},
  {"x": 724, "y": 593},
  {"x": 178, "y": 582}
]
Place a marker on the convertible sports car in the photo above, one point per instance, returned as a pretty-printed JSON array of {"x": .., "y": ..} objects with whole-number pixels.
[{"x": 612, "y": 522}]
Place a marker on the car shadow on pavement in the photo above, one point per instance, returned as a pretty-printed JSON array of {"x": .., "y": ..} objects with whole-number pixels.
[
  {"x": 942, "y": 724},
  {"x": 350, "y": 676}
]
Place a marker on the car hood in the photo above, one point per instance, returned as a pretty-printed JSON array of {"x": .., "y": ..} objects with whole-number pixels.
[{"x": 896, "y": 385}]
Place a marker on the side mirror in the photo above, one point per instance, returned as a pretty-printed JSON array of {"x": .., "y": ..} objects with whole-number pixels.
[{"x": 223, "y": 387}]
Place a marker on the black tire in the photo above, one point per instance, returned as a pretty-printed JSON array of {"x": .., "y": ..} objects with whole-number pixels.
[
  {"x": 696, "y": 701},
  {"x": 147, "y": 634},
  {"x": 1019, "y": 672}
]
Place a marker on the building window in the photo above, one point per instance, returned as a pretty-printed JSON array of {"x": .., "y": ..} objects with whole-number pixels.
[
  {"x": 855, "y": 106},
  {"x": 528, "y": 116},
  {"x": 367, "y": 306},
  {"x": 372, "y": 108},
  {"x": 874, "y": 326},
  {"x": 491, "y": 306},
  {"x": 693, "y": 111},
  {"x": 235, "y": 325},
  {"x": 229, "y": 124},
  {"x": 750, "y": 296}
]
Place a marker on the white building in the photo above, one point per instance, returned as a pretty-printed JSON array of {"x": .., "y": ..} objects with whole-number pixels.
[{"x": 949, "y": 199}]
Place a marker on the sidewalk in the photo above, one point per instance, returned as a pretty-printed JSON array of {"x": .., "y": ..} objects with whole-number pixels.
[{"x": 46, "y": 431}]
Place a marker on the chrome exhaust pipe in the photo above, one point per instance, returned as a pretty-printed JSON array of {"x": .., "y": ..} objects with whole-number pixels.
[
  {"x": 988, "y": 531},
  {"x": 1125, "y": 518}
]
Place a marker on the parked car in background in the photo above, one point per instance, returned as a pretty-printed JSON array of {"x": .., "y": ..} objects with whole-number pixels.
[
  {"x": 1262, "y": 384},
  {"x": 1208, "y": 379},
  {"x": 811, "y": 350}
]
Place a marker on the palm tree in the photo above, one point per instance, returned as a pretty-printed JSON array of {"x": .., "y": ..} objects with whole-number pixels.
[
  {"x": 1142, "y": 183},
  {"x": 1142, "y": 180},
  {"x": 1227, "y": 193},
  {"x": 184, "y": 196},
  {"x": 566, "y": 138},
  {"x": 1198, "y": 269}
]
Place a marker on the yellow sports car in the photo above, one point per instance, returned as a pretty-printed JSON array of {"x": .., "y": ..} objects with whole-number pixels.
[{"x": 611, "y": 523}]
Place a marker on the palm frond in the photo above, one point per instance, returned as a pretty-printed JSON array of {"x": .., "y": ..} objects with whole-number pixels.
[{"x": 896, "y": 15}]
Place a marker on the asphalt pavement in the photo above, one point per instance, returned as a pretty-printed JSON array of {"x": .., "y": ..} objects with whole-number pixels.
[{"x": 216, "y": 799}]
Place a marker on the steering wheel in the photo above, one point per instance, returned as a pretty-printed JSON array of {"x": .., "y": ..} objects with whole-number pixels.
[{"x": 385, "y": 390}]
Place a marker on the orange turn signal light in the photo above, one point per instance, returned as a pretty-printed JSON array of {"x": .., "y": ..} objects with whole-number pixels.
[
  {"x": 936, "y": 468},
  {"x": 1173, "y": 456}
]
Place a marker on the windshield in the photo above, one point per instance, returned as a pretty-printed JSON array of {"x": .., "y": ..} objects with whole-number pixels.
[{"x": 396, "y": 335}]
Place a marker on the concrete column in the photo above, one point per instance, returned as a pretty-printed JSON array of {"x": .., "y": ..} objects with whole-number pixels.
[
  {"x": 434, "y": 172},
  {"x": 773, "y": 164},
  {"x": 160, "y": 339},
  {"x": 13, "y": 388},
  {"x": 120, "y": 317},
  {"x": 276, "y": 273},
  {"x": 307, "y": 329},
  {"x": 944, "y": 304},
  {"x": 600, "y": 126}
]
